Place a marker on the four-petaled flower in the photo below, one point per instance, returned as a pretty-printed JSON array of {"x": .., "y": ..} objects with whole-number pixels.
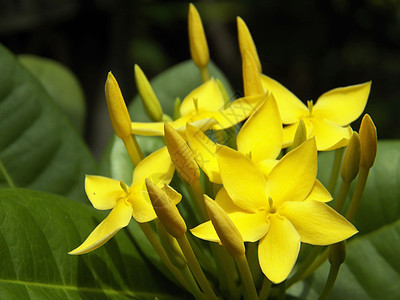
[
  {"x": 280, "y": 210},
  {"x": 126, "y": 202},
  {"x": 328, "y": 120}
]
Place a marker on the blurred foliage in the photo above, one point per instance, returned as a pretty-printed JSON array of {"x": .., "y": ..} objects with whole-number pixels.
[{"x": 310, "y": 46}]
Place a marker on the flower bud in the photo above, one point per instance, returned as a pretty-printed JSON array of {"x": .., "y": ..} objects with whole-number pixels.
[
  {"x": 301, "y": 134},
  {"x": 368, "y": 139},
  {"x": 166, "y": 210},
  {"x": 227, "y": 232},
  {"x": 251, "y": 76},
  {"x": 197, "y": 38},
  {"x": 246, "y": 42},
  {"x": 149, "y": 98},
  {"x": 181, "y": 155},
  {"x": 351, "y": 160},
  {"x": 120, "y": 120},
  {"x": 337, "y": 253}
]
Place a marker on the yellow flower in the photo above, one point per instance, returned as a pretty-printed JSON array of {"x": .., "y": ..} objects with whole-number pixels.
[
  {"x": 328, "y": 120},
  {"x": 280, "y": 210},
  {"x": 125, "y": 202},
  {"x": 205, "y": 108},
  {"x": 260, "y": 138}
]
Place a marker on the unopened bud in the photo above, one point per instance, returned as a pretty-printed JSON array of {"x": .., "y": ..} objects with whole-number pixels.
[
  {"x": 197, "y": 38},
  {"x": 166, "y": 210},
  {"x": 181, "y": 155},
  {"x": 150, "y": 102},
  {"x": 171, "y": 247},
  {"x": 251, "y": 76},
  {"x": 351, "y": 160},
  {"x": 301, "y": 134},
  {"x": 246, "y": 42},
  {"x": 227, "y": 232},
  {"x": 368, "y": 139},
  {"x": 119, "y": 116}
]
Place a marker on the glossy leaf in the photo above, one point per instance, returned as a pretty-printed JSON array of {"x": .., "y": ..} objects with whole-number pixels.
[
  {"x": 37, "y": 231},
  {"x": 62, "y": 86},
  {"x": 38, "y": 147}
]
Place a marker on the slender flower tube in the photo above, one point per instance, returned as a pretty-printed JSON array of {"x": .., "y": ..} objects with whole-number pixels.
[
  {"x": 149, "y": 98},
  {"x": 198, "y": 42}
]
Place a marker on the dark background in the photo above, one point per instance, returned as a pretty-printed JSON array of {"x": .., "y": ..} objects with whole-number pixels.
[{"x": 309, "y": 46}]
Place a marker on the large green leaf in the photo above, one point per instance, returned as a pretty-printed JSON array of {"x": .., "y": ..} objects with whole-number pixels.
[
  {"x": 38, "y": 147},
  {"x": 38, "y": 229},
  {"x": 61, "y": 84},
  {"x": 372, "y": 267}
]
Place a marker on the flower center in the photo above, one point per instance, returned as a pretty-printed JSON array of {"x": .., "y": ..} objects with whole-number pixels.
[
  {"x": 272, "y": 208},
  {"x": 310, "y": 106}
]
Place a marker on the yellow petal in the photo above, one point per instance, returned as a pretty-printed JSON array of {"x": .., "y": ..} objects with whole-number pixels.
[
  {"x": 207, "y": 97},
  {"x": 343, "y": 105},
  {"x": 243, "y": 181},
  {"x": 319, "y": 193},
  {"x": 262, "y": 133},
  {"x": 294, "y": 176},
  {"x": 143, "y": 211},
  {"x": 239, "y": 110},
  {"x": 118, "y": 218},
  {"x": 329, "y": 135},
  {"x": 290, "y": 107},
  {"x": 157, "y": 166},
  {"x": 278, "y": 250},
  {"x": 317, "y": 223},
  {"x": 226, "y": 202},
  {"x": 204, "y": 152},
  {"x": 103, "y": 192},
  {"x": 267, "y": 165},
  {"x": 252, "y": 226},
  {"x": 206, "y": 231}
]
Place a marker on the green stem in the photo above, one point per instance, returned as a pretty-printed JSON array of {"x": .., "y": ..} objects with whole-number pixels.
[
  {"x": 333, "y": 273},
  {"x": 7, "y": 177},
  {"x": 247, "y": 279},
  {"x": 252, "y": 258},
  {"x": 305, "y": 265},
  {"x": 282, "y": 291},
  {"x": 192, "y": 284},
  {"x": 155, "y": 243},
  {"x": 358, "y": 192},
  {"x": 316, "y": 264},
  {"x": 195, "y": 267},
  {"x": 335, "y": 169},
  {"x": 341, "y": 198},
  {"x": 265, "y": 289},
  {"x": 205, "y": 75},
  {"x": 198, "y": 193}
]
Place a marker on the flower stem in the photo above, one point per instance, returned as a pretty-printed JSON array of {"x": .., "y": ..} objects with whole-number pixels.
[
  {"x": 358, "y": 192},
  {"x": 192, "y": 284},
  {"x": 330, "y": 282},
  {"x": 205, "y": 75},
  {"x": 227, "y": 271},
  {"x": 155, "y": 243},
  {"x": 251, "y": 253},
  {"x": 247, "y": 279},
  {"x": 133, "y": 149},
  {"x": 198, "y": 192},
  {"x": 341, "y": 198},
  {"x": 7, "y": 177},
  {"x": 195, "y": 267},
  {"x": 335, "y": 169},
  {"x": 265, "y": 289}
]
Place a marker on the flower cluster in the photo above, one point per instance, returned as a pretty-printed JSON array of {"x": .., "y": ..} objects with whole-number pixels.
[{"x": 263, "y": 177}]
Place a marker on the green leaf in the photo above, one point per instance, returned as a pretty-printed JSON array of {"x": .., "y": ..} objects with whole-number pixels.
[
  {"x": 61, "y": 84},
  {"x": 37, "y": 231},
  {"x": 38, "y": 147},
  {"x": 372, "y": 268}
]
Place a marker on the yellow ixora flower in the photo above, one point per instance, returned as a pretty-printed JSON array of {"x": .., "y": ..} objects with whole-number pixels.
[
  {"x": 328, "y": 120},
  {"x": 126, "y": 202},
  {"x": 204, "y": 107},
  {"x": 280, "y": 211}
]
